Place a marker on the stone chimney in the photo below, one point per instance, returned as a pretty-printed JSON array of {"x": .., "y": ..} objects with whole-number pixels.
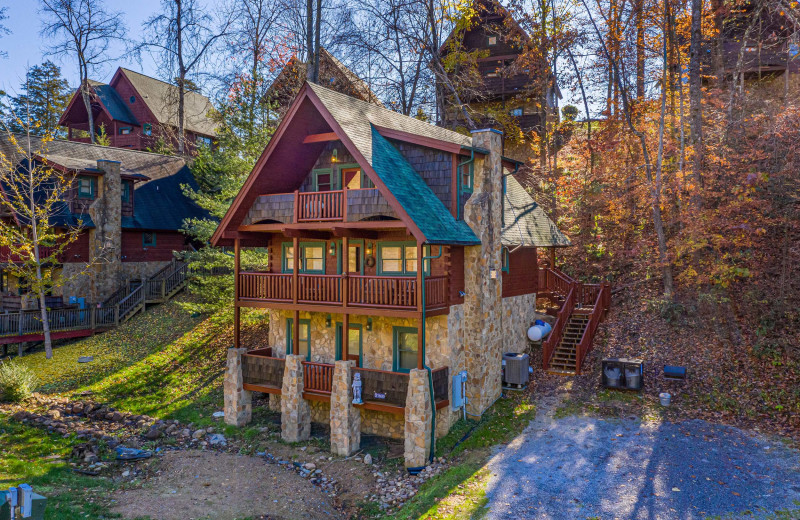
[
  {"x": 105, "y": 240},
  {"x": 483, "y": 264}
]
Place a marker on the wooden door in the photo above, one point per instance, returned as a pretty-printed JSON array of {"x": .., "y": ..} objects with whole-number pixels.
[{"x": 354, "y": 343}]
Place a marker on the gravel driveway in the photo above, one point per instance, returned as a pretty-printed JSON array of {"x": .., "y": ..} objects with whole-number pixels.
[{"x": 580, "y": 467}]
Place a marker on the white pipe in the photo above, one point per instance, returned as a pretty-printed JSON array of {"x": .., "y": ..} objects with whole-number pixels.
[{"x": 464, "y": 393}]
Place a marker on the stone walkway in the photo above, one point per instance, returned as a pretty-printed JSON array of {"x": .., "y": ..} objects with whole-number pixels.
[{"x": 580, "y": 467}]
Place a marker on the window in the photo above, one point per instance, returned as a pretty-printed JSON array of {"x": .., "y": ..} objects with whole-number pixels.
[
  {"x": 324, "y": 180},
  {"x": 467, "y": 178},
  {"x": 133, "y": 99},
  {"x": 312, "y": 257},
  {"x": 505, "y": 260},
  {"x": 86, "y": 187},
  {"x": 305, "y": 337},
  {"x": 492, "y": 40},
  {"x": 147, "y": 129},
  {"x": 516, "y": 112},
  {"x": 405, "y": 349},
  {"x": 125, "y": 130},
  {"x": 399, "y": 258},
  {"x": 203, "y": 141},
  {"x": 148, "y": 239},
  {"x": 126, "y": 191}
]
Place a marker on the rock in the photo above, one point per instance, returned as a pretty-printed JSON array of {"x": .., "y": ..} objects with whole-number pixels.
[
  {"x": 186, "y": 432},
  {"x": 126, "y": 473},
  {"x": 367, "y": 459},
  {"x": 90, "y": 458},
  {"x": 199, "y": 434},
  {"x": 153, "y": 434},
  {"x": 218, "y": 415},
  {"x": 310, "y": 466},
  {"x": 217, "y": 439}
]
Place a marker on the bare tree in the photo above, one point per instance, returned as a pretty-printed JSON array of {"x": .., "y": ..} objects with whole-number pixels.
[
  {"x": 695, "y": 93},
  {"x": 181, "y": 38},
  {"x": 83, "y": 30},
  {"x": 3, "y": 28}
]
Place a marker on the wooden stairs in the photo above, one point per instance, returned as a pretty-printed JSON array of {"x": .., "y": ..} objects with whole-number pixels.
[{"x": 582, "y": 308}]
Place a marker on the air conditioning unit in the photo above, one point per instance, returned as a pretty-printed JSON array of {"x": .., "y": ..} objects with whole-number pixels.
[{"x": 516, "y": 368}]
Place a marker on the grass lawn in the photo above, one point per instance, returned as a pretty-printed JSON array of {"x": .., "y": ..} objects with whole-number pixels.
[
  {"x": 460, "y": 492},
  {"x": 32, "y": 456}
]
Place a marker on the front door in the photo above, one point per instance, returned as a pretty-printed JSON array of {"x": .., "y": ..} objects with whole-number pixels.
[{"x": 354, "y": 345}]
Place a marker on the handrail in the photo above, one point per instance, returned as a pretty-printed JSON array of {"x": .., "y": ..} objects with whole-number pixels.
[
  {"x": 549, "y": 345},
  {"x": 591, "y": 327},
  {"x": 320, "y": 205},
  {"x": 317, "y": 377}
]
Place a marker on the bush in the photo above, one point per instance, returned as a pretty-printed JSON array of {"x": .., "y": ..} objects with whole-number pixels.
[{"x": 17, "y": 382}]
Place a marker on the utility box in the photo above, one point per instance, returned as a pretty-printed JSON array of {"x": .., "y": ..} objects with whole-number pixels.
[
  {"x": 458, "y": 390},
  {"x": 516, "y": 368},
  {"x": 27, "y": 504}
]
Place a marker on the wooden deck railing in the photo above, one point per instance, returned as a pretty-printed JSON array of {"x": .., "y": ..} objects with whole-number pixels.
[
  {"x": 554, "y": 338},
  {"x": 399, "y": 292},
  {"x": 595, "y": 317},
  {"x": 317, "y": 377},
  {"x": 259, "y": 368},
  {"x": 313, "y": 288},
  {"x": 382, "y": 386},
  {"x": 320, "y": 206}
]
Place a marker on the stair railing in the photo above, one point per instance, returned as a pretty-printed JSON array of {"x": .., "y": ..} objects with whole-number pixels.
[
  {"x": 585, "y": 345},
  {"x": 549, "y": 345}
]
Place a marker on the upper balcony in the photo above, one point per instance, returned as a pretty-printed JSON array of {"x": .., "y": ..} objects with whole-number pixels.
[{"x": 347, "y": 205}]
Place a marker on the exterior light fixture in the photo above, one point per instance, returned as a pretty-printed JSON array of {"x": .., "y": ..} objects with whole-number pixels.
[
  {"x": 369, "y": 323},
  {"x": 369, "y": 249},
  {"x": 332, "y": 248},
  {"x": 328, "y": 320},
  {"x": 334, "y": 155}
]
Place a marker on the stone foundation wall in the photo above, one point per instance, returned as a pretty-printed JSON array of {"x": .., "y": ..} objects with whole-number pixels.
[
  {"x": 320, "y": 412},
  {"x": 80, "y": 282},
  {"x": 382, "y": 424},
  {"x": 519, "y": 313}
]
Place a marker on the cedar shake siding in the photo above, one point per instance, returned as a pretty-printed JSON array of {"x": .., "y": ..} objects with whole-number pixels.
[{"x": 522, "y": 275}]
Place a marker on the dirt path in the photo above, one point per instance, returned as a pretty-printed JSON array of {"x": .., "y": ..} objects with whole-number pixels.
[{"x": 195, "y": 484}]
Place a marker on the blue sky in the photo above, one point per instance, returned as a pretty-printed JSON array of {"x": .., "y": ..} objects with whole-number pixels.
[{"x": 25, "y": 45}]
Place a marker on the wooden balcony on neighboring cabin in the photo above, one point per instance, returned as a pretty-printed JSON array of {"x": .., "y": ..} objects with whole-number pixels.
[
  {"x": 347, "y": 205},
  {"x": 353, "y": 292}
]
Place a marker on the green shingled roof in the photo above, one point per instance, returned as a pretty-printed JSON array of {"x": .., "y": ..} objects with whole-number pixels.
[
  {"x": 419, "y": 202},
  {"x": 525, "y": 223}
]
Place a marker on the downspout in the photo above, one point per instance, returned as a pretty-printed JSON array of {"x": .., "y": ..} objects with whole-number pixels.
[
  {"x": 458, "y": 184},
  {"x": 425, "y": 364}
]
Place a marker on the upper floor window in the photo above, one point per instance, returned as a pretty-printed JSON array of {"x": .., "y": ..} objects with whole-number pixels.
[
  {"x": 125, "y": 130},
  {"x": 492, "y": 40},
  {"x": 133, "y": 99},
  {"x": 312, "y": 257},
  {"x": 127, "y": 188},
  {"x": 505, "y": 260},
  {"x": 399, "y": 258},
  {"x": 148, "y": 239},
  {"x": 147, "y": 129},
  {"x": 87, "y": 187},
  {"x": 467, "y": 178}
]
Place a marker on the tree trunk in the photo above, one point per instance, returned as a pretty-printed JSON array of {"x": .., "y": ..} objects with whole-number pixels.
[
  {"x": 182, "y": 75},
  {"x": 695, "y": 96},
  {"x": 317, "y": 29},
  {"x": 310, "y": 41},
  {"x": 48, "y": 343},
  {"x": 87, "y": 102},
  {"x": 640, "y": 56}
]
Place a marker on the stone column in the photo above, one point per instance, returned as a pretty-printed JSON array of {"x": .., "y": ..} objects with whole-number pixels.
[
  {"x": 345, "y": 418},
  {"x": 238, "y": 401},
  {"x": 105, "y": 239},
  {"x": 483, "y": 303},
  {"x": 419, "y": 415},
  {"x": 295, "y": 412}
]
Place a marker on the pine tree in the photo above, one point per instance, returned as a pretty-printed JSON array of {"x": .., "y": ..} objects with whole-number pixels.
[{"x": 46, "y": 94}]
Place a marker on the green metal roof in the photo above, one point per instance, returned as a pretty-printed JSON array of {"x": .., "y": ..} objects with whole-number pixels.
[{"x": 419, "y": 202}]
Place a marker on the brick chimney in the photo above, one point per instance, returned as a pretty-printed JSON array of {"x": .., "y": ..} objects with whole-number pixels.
[{"x": 483, "y": 301}]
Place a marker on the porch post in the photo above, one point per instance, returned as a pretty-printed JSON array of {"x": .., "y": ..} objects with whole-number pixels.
[
  {"x": 295, "y": 289},
  {"x": 420, "y": 304},
  {"x": 552, "y": 257},
  {"x": 236, "y": 268},
  {"x": 345, "y": 288}
]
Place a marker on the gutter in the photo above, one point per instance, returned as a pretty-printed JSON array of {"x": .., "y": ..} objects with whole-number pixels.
[{"x": 424, "y": 363}]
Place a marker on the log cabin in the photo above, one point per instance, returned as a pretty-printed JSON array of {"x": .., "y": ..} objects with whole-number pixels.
[
  {"x": 136, "y": 110},
  {"x": 401, "y": 254},
  {"x": 129, "y": 207}
]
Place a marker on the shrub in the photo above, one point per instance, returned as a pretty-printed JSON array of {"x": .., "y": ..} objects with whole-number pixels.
[{"x": 17, "y": 382}]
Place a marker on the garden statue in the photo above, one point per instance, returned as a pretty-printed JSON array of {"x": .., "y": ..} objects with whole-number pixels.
[{"x": 357, "y": 389}]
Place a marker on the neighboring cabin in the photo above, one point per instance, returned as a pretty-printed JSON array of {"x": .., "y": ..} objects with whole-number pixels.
[
  {"x": 333, "y": 74},
  {"x": 394, "y": 244},
  {"x": 130, "y": 207},
  {"x": 506, "y": 85},
  {"x": 136, "y": 110}
]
